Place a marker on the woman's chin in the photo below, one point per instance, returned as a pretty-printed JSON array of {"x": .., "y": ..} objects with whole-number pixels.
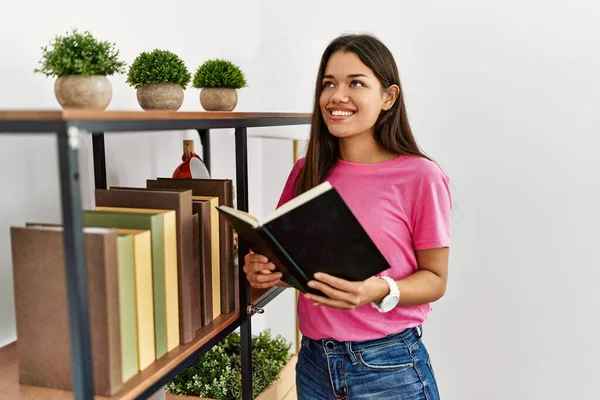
[{"x": 342, "y": 133}]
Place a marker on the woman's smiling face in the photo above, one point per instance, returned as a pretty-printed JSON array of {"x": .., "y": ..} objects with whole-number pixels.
[{"x": 352, "y": 97}]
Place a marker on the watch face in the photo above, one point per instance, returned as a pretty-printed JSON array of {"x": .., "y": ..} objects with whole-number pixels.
[{"x": 389, "y": 302}]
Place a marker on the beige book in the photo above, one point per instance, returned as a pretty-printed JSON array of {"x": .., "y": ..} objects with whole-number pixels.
[{"x": 215, "y": 253}]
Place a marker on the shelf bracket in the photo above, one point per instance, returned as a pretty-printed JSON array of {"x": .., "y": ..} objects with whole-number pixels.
[{"x": 252, "y": 309}]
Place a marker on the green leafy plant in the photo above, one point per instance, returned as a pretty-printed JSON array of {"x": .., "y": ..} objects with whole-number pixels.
[
  {"x": 210, "y": 376},
  {"x": 158, "y": 66},
  {"x": 78, "y": 53},
  {"x": 217, "y": 374},
  {"x": 218, "y": 73}
]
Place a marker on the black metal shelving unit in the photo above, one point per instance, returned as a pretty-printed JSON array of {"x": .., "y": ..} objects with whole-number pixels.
[{"x": 68, "y": 126}]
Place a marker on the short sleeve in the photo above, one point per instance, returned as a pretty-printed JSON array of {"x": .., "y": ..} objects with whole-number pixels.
[
  {"x": 288, "y": 189},
  {"x": 432, "y": 215}
]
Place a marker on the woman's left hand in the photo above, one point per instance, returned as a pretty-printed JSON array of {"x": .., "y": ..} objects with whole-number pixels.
[{"x": 346, "y": 295}]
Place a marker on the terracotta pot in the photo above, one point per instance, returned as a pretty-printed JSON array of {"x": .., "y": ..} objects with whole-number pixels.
[
  {"x": 218, "y": 99},
  {"x": 160, "y": 96},
  {"x": 78, "y": 91}
]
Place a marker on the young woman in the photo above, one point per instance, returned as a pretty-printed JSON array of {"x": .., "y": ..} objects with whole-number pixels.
[{"x": 364, "y": 339}]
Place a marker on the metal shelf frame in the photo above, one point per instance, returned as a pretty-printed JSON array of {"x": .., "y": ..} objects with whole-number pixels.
[{"x": 68, "y": 128}]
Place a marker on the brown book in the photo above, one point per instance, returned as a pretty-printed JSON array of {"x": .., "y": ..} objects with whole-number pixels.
[
  {"x": 181, "y": 202},
  {"x": 196, "y": 307},
  {"x": 41, "y": 307},
  {"x": 202, "y": 208},
  {"x": 223, "y": 189}
]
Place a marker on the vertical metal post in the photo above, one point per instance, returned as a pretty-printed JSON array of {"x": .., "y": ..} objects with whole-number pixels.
[
  {"x": 241, "y": 161},
  {"x": 297, "y": 326},
  {"x": 205, "y": 140},
  {"x": 75, "y": 264},
  {"x": 99, "y": 160}
]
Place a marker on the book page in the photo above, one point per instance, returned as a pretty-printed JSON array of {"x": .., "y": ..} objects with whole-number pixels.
[
  {"x": 244, "y": 216},
  {"x": 290, "y": 205},
  {"x": 299, "y": 200}
]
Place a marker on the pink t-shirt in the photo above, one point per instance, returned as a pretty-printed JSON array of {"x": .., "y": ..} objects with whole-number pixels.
[{"x": 404, "y": 205}]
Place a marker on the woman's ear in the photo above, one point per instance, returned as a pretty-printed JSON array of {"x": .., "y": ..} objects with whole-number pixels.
[{"x": 390, "y": 96}]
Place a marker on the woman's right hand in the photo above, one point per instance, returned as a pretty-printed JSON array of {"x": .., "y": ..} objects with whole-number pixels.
[{"x": 260, "y": 272}]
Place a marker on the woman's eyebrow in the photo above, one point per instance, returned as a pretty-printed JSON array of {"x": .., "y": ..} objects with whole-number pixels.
[{"x": 329, "y": 76}]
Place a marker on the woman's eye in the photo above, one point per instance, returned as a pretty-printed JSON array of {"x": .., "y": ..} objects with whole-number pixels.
[
  {"x": 356, "y": 84},
  {"x": 328, "y": 84}
]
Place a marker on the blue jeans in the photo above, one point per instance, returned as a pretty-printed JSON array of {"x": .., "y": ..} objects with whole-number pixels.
[{"x": 396, "y": 367}]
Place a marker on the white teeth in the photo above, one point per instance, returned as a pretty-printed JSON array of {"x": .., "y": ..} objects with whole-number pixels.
[{"x": 337, "y": 113}]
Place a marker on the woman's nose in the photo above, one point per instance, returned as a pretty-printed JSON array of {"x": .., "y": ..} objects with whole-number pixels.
[{"x": 339, "y": 96}]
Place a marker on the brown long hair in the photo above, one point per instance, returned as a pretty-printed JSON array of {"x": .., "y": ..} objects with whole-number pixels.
[{"x": 392, "y": 130}]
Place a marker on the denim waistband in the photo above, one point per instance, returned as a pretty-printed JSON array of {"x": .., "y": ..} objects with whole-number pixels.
[{"x": 333, "y": 346}]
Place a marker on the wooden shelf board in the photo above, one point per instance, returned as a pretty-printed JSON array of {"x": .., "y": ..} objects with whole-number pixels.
[
  {"x": 256, "y": 295},
  {"x": 116, "y": 115},
  {"x": 12, "y": 389},
  {"x": 260, "y": 298}
]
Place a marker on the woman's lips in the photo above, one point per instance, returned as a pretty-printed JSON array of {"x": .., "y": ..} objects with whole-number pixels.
[{"x": 340, "y": 114}]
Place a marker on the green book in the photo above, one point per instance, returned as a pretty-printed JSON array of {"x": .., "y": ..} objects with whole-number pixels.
[
  {"x": 153, "y": 223},
  {"x": 128, "y": 314}
]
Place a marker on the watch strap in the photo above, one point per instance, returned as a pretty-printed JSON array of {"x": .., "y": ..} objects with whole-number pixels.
[{"x": 394, "y": 292}]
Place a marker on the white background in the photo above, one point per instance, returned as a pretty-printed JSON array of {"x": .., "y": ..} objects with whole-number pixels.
[{"x": 504, "y": 95}]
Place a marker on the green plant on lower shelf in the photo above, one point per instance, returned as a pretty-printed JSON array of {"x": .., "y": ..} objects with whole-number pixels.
[{"x": 217, "y": 374}]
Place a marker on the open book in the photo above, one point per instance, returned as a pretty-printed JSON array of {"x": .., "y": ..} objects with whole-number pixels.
[{"x": 314, "y": 232}]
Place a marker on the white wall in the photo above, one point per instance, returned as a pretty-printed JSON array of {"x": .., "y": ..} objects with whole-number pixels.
[
  {"x": 28, "y": 167},
  {"x": 502, "y": 94}
]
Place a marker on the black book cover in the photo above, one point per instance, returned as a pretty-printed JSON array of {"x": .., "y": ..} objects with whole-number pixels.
[{"x": 316, "y": 233}]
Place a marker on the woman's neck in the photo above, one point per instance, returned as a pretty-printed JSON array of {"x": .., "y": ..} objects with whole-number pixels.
[{"x": 363, "y": 149}]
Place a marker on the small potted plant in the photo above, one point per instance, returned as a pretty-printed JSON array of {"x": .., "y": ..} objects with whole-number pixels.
[
  {"x": 160, "y": 78},
  {"x": 219, "y": 80},
  {"x": 81, "y": 64}
]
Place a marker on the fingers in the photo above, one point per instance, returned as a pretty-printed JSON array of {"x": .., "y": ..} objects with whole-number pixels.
[
  {"x": 264, "y": 271},
  {"x": 324, "y": 301},
  {"x": 265, "y": 285},
  {"x": 254, "y": 268},
  {"x": 260, "y": 272},
  {"x": 336, "y": 282},
  {"x": 339, "y": 293},
  {"x": 255, "y": 258},
  {"x": 333, "y": 293},
  {"x": 261, "y": 278},
  {"x": 261, "y": 281}
]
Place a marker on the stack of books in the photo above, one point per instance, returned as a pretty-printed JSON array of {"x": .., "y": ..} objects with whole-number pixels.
[{"x": 160, "y": 266}]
